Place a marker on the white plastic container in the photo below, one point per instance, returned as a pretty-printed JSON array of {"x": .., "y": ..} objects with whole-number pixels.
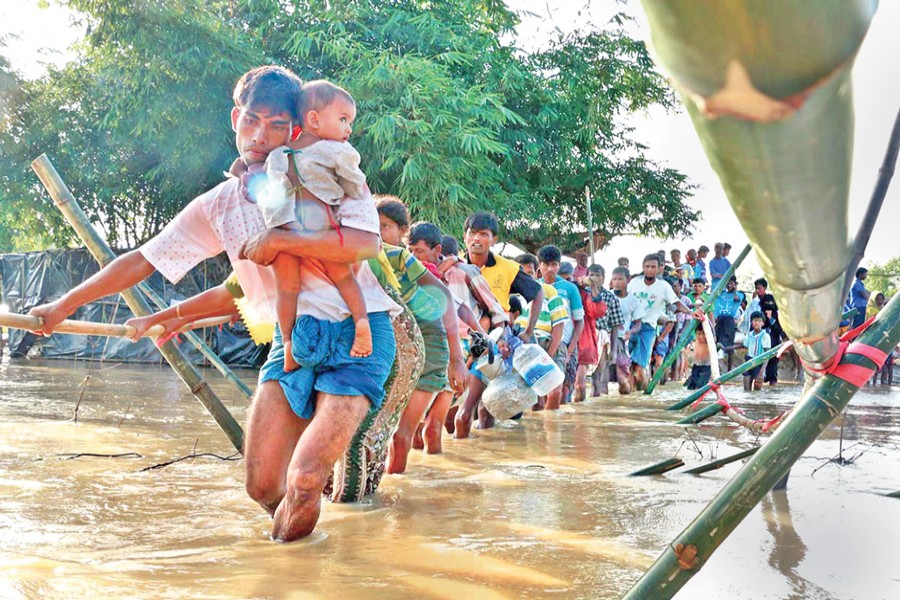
[
  {"x": 507, "y": 395},
  {"x": 537, "y": 369}
]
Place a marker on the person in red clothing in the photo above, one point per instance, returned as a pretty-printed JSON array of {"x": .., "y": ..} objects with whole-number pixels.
[{"x": 588, "y": 354}]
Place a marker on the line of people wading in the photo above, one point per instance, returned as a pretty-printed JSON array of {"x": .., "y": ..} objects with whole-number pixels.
[{"x": 313, "y": 250}]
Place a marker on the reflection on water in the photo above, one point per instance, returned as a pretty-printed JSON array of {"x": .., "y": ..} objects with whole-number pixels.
[{"x": 536, "y": 509}]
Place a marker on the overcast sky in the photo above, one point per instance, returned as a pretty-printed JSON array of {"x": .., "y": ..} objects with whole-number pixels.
[{"x": 44, "y": 34}]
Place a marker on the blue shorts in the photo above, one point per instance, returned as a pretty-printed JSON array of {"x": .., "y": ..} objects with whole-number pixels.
[
  {"x": 336, "y": 372},
  {"x": 662, "y": 347},
  {"x": 641, "y": 345}
]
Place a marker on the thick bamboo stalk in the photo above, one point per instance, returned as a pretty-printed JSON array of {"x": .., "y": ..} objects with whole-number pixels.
[
  {"x": 659, "y": 468},
  {"x": 67, "y": 204},
  {"x": 718, "y": 464},
  {"x": 72, "y": 326},
  {"x": 822, "y": 402},
  {"x": 688, "y": 333},
  {"x": 768, "y": 88}
]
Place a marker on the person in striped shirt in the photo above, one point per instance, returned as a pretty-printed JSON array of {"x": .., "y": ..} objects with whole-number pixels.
[{"x": 550, "y": 326}]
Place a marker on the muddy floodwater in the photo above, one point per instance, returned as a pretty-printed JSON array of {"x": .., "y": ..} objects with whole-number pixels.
[{"x": 542, "y": 508}]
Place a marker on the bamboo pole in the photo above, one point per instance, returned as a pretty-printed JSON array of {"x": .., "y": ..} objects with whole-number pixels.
[
  {"x": 687, "y": 333},
  {"x": 67, "y": 204},
  {"x": 701, "y": 415},
  {"x": 71, "y": 326},
  {"x": 820, "y": 404},
  {"x": 659, "y": 468},
  {"x": 885, "y": 174},
  {"x": 202, "y": 346},
  {"x": 590, "y": 218},
  {"x": 718, "y": 464}
]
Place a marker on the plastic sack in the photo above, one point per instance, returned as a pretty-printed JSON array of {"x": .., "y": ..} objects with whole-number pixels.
[{"x": 507, "y": 395}]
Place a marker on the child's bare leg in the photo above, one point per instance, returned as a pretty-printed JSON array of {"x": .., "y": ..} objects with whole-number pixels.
[
  {"x": 418, "y": 443},
  {"x": 401, "y": 442},
  {"x": 346, "y": 283},
  {"x": 287, "y": 277},
  {"x": 434, "y": 420}
]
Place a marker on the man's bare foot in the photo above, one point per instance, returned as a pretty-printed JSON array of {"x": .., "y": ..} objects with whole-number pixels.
[
  {"x": 362, "y": 340},
  {"x": 289, "y": 363},
  {"x": 485, "y": 418},
  {"x": 297, "y": 515},
  {"x": 463, "y": 423},
  {"x": 450, "y": 420},
  {"x": 397, "y": 454},
  {"x": 432, "y": 438},
  {"x": 418, "y": 443}
]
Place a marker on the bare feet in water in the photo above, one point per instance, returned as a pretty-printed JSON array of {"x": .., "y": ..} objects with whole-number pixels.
[{"x": 362, "y": 340}]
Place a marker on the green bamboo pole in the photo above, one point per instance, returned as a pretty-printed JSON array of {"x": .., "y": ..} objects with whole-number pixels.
[
  {"x": 67, "y": 204},
  {"x": 737, "y": 371},
  {"x": 688, "y": 333},
  {"x": 822, "y": 402},
  {"x": 718, "y": 464},
  {"x": 659, "y": 468},
  {"x": 710, "y": 410}
]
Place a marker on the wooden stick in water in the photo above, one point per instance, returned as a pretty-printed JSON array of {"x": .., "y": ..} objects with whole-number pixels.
[{"x": 72, "y": 326}]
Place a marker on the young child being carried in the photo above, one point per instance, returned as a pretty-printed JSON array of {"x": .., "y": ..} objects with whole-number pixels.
[{"x": 326, "y": 172}]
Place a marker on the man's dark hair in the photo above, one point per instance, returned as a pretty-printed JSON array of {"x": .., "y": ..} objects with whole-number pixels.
[
  {"x": 733, "y": 278},
  {"x": 761, "y": 282},
  {"x": 861, "y": 271},
  {"x": 273, "y": 87},
  {"x": 427, "y": 232},
  {"x": 623, "y": 271},
  {"x": 595, "y": 268},
  {"x": 449, "y": 244},
  {"x": 549, "y": 254},
  {"x": 698, "y": 280},
  {"x": 726, "y": 246},
  {"x": 702, "y": 249},
  {"x": 515, "y": 305},
  {"x": 649, "y": 257},
  {"x": 483, "y": 220},
  {"x": 527, "y": 259},
  {"x": 757, "y": 314},
  {"x": 394, "y": 209},
  {"x": 318, "y": 94}
]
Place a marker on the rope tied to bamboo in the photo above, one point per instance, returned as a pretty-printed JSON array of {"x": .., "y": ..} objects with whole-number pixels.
[{"x": 855, "y": 375}]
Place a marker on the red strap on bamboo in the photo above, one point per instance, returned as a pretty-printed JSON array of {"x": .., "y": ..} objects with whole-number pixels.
[
  {"x": 855, "y": 375},
  {"x": 713, "y": 387},
  {"x": 771, "y": 422}
]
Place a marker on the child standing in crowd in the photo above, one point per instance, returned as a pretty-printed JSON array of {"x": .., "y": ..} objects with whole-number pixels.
[
  {"x": 756, "y": 342},
  {"x": 327, "y": 168},
  {"x": 607, "y": 325},
  {"x": 700, "y": 369},
  {"x": 631, "y": 322}
]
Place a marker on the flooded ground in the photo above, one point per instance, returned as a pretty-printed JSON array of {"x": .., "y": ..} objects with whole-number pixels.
[{"x": 542, "y": 508}]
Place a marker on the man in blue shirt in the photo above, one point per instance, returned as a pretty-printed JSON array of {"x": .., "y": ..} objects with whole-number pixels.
[
  {"x": 549, "y": 258},
  {"x": 700, "y": 267},
  {"x": 719, "y": 265},
  {"x": 859, "y": 297},
  {"x": 726, "y": 309}
]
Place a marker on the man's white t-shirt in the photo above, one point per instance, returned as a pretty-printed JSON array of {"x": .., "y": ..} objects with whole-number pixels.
[{"x": 653, "y": 299}]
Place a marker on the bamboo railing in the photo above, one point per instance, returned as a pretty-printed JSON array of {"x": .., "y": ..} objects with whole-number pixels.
[{"x": 65, "y": 201}]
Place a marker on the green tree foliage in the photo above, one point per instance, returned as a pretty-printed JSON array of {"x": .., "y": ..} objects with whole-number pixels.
[
  {"x": 452, "y": 117},
  {"x": 885, "y": 278}
]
